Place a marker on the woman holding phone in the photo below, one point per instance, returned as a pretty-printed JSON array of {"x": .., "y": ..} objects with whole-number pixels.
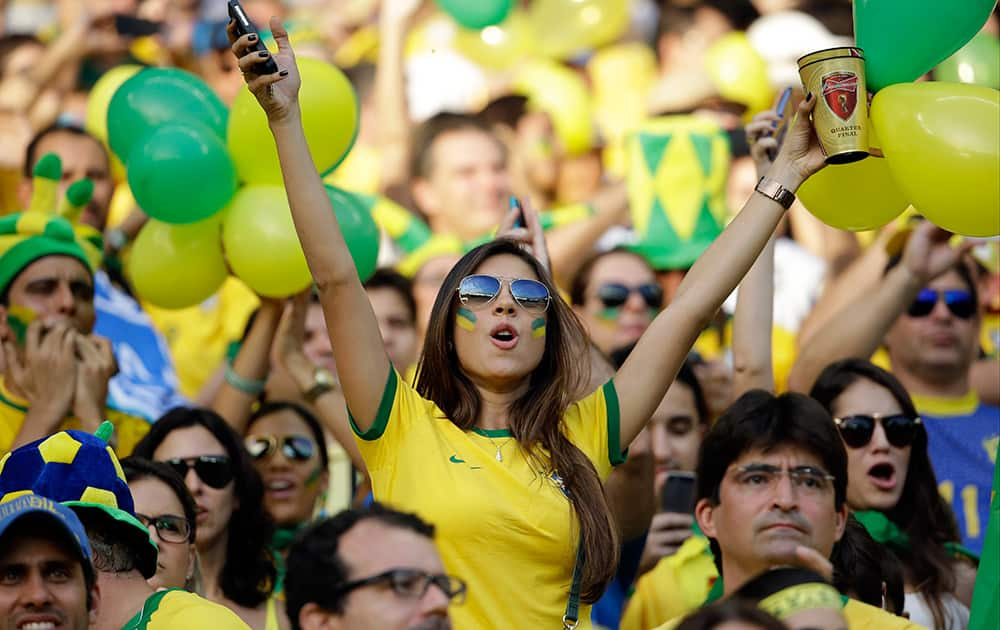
[{"x": 489, "y": 446}]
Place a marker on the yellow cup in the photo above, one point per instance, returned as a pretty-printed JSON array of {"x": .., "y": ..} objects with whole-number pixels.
[{"x": 836, "y": 77}]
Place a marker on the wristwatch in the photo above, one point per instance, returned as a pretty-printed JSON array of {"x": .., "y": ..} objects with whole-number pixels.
[
  {"x": 773, "y": 190},
  {"x": 323, "y": 382}
]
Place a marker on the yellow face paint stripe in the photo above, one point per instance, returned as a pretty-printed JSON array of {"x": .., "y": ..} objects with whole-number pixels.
[
  {"x": 538, "y": 327},
  {"x": 466, "y": 319}
]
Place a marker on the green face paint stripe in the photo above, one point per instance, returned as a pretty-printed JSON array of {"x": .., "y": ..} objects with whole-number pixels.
[
  {"x": 610, "y": 312},
  {"x": 315, "y": 475},
  {"x": 538, "y": 327},
  {"x": 466, "y": 318}
]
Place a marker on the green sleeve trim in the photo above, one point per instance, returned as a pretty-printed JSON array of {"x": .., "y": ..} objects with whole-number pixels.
[
  {"x": 616, "y": 455},
  {"x": 384, "y": 409},
  {"x": 150, "y": 606}
]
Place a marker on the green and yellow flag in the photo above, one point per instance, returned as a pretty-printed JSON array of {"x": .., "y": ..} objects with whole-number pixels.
[
  {"x": 985, "y": 614},
  {"x": 677, "y": 170}
]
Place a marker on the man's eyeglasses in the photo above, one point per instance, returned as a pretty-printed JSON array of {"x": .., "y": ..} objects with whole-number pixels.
[
  {"x": 857, "y": 430},
  {"x": 411, "y": 584},
  {"x": 297, "y": 448},
  {"x": 479, "y": 290},
  {"x": 215, "y": 470},
  {"x": 614, "y": 294},
  {"x": 765, "y": 477},
  {"x": 958, "y": 301},
  {"x": 170, "y": 528}
]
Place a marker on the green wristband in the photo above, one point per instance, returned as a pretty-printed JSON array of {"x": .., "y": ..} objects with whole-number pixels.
[{"x": 250, "y": 387}]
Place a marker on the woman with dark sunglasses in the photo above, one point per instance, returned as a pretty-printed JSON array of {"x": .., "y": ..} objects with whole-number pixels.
[
  {"x": 288, "y": 449},
  {"x": 893, "y": 491},
  {"x": 163, "y": 503},
  {"x": 233, "y": 529},
  {"x": 492, "y": 445}
]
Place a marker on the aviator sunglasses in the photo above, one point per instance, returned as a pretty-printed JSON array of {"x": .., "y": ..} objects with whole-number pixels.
[
  {"x": 614, "y": 294},
  {"x": 215, "y": 470},
  {"x": 297, "y": 448},
  {"x": 958, "y": 301},
  {"x": 479, "y": 290},
  {"x": 857, "y": 430}
]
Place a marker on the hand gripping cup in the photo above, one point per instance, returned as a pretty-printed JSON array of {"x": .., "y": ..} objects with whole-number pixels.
[{"x": 837, "y": 77}]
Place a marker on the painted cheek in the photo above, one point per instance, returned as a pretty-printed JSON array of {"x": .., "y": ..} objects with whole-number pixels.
[
  {"x": 609, "y": 313},
  {"x": 465, "y": 319},
  {"x": 538, "y": 327}
]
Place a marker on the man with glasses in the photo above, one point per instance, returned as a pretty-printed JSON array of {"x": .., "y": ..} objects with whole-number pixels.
[
  {"x": 370, "y": 568},
  {"x": 771, "y": 490},
  {"x": 926, "y": 313}
]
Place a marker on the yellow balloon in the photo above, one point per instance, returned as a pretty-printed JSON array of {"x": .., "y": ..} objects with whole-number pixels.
[
  {"x": 569, "y": 27},
  {"x": 96, "y": 120},
  {"x": 329, "y": 117},
  {"x": 942, "y": 143},
  {"x": 175, "y": 266},
  {"x": 499, "y": 46},
  {"x": 739, "y": 72},
  {"x": 621, "y": 76},
  {"x": 857, "y": 196},
  {"x": 557, "y": 90},
  {"x": 261, "y": 245}
]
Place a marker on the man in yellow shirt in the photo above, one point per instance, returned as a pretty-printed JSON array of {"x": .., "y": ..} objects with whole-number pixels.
[
  {"x": 55, "y": 371},
  {"x": 772, "y": 487}
]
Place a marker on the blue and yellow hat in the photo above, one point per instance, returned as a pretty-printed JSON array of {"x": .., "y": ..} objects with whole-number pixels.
[
  {"x": 47, "y": 227},
  {"x": 80, "y": 471}
]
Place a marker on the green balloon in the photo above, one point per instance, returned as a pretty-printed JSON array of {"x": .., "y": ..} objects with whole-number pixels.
[
  {"x": 903, "y": 39},
  {"x": 977, "y": 62},
  {"x": 156, "y": 96},
  {"x": 476, "y": 14},
  {"x": 181, "y": 173},
  {"x": 359, "y": 229}
]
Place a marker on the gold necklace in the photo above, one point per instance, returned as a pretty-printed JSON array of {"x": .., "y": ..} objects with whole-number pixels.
[{"x": 498, "y": 447}]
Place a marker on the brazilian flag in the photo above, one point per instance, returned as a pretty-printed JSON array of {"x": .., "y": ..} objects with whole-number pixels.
[
  {"x": 985, "y": 613},
  {"x": 677, "y": 171}
]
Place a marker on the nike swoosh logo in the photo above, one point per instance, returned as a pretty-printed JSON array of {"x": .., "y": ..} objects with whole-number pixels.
[{"x": 455, "y": 460}]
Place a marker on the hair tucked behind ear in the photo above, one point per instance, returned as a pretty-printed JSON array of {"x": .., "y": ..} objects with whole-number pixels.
[{"x": 536, "y": 418}]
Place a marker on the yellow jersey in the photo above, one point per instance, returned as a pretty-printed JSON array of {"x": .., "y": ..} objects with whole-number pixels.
[
  {"x": 503, "y": 525},
  {"x": 175, "y": 608},
  {"x": 128, "y": 429}
]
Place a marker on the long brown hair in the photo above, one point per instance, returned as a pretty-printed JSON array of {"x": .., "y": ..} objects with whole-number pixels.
[{"x": 536, "y": 417}]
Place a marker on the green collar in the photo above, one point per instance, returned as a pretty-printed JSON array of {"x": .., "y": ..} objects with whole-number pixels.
[{"x": 883, "y": 530}]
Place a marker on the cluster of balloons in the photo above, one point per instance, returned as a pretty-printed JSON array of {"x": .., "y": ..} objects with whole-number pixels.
[
  {"x": 940, "y": 139},
  {"x": 209, "y": 179}
]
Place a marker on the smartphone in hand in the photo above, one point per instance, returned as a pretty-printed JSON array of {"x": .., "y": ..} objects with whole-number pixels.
[
  {"x": 244, "y": 27},
  {"x": 515, "y": 204},
  {"x": 678, "y": 493},
  {"x": 783, "y": 107}
]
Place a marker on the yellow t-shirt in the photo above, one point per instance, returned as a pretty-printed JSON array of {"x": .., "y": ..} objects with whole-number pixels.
[
  {"x": 677, "y": 585},
  {"x": 504, "y": 527},
  {"x": 128, "y": 429},
  {"x": 199, "y": 336},
  {"x": 176, "y": 608}
]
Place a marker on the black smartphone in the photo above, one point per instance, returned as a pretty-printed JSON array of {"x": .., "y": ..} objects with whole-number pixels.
[
  {"x": 131, "y": 26},
  {"x": 244, "y": 27},
  {"x": 515, "y": 204},
  {"x": 783, "y": 107},
  {"x": 678, "y": 492}
]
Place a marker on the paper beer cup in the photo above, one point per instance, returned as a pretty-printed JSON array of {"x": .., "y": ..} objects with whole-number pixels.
[{"x": 836, "y": 77}]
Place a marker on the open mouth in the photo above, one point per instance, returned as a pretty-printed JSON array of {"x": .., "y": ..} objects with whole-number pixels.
[
  {"x": 504, "y": 336},
  {"x": 279, "y": 487},
  {"x": 883, "y": 476},
  {"x": 46, "y": 624}
]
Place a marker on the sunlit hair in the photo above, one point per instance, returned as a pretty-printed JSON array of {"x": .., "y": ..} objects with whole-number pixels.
[
  {"x": 920, "y": 511},
  {"x": 535, "y": 418}
]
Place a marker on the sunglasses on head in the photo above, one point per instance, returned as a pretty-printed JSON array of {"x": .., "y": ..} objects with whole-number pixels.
[
  {"x": 614, "y": 294},
  {"x": 297, "y": 448},
  {"x": 479, "y": 290},
  {"x": 857, "y": 430},
  {"x": 958, "y": 301},
  {"x": 215, "y": 470}
]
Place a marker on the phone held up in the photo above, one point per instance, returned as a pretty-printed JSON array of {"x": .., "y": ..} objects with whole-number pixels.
[
  {"x": 515, "y": 204},
  {"x": 784, "y": 108},
  {"x": 244, "y": 27},
  {"x": 678, "y": 493}
]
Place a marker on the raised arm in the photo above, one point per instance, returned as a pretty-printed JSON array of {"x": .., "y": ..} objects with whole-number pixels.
[
  {"x": 858, "y": 329},
  {"x": 350, "y": 321},
  {"x": 644, "y": 378},
  {"x": 752, "y": 364}
]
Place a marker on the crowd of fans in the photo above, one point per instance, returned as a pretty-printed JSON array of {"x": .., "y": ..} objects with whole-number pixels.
[{"x": 531, "y": 414}]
